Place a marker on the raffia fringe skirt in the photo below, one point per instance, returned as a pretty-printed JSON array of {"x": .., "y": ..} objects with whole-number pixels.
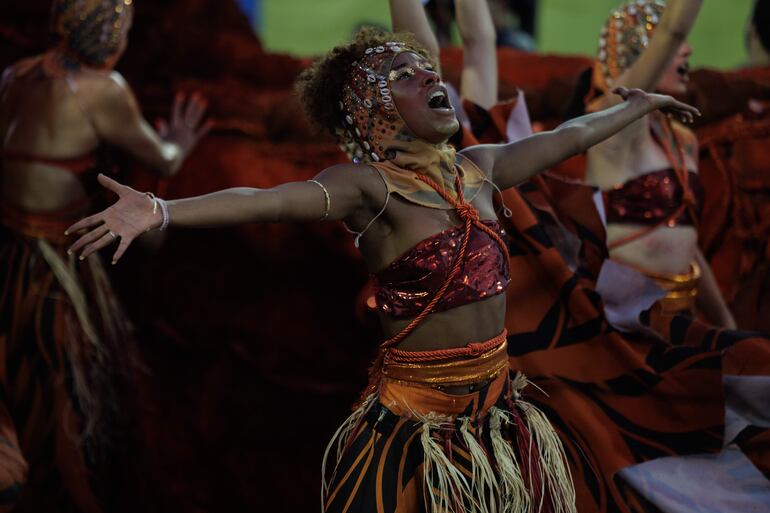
[{"x": 411, "y": 447}]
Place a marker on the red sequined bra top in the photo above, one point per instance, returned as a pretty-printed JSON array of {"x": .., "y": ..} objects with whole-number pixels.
[
  {"x": 654, "y": 198},
  {"x": 407, "y": 285}
]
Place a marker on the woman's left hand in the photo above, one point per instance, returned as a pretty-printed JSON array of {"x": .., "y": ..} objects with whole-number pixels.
[
  {"x": 132, "y": 215},
  {"x": 668, "y": 104}
]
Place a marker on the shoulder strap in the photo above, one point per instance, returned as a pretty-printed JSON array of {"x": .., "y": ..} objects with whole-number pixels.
[
  {"x": 360, "y": 234},
  {"x": 474, "y": 170},
  {"x": 408, "y": 186}
]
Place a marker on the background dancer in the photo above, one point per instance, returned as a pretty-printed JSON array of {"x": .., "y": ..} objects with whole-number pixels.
[{"x": 63, "y": 336}]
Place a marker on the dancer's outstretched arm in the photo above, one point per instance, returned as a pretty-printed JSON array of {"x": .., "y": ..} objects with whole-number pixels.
[
  {"x": 135, "y": 212},
  {"x": 515, "y": 162},
  {"x": 118, "y": 120}
]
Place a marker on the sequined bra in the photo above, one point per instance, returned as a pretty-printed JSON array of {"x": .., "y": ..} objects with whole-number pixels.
[
  {"x": 406, "y": 286},
  {"x": 654, "y": 198}
]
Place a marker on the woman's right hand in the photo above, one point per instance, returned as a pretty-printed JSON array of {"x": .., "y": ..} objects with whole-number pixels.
[
  {"x": 132, "y": 215},
  {"x": 186, "y": 126}
]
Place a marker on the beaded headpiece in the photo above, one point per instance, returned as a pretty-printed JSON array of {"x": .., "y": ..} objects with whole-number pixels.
[
  {"x": 625, "y": 35},
  {"x": 370, "y": 115},
  {"x": 90, "y": 31}
]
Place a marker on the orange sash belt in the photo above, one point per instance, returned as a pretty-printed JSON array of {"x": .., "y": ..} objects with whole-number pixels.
[
  {"x": 408, "y": 389},
  {"x": 489, "y": 360},
  {"x": 46, "y": 225}
]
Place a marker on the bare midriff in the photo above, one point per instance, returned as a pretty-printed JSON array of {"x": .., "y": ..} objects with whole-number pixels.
[
  {"x": 664, "y": 250},
  {"x": 474, "y": 322},
  {"x": 38, "y": 187}
]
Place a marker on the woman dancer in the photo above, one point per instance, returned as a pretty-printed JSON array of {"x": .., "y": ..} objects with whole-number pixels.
[
  {"x": 649, "y": 170},
  {"x": 607, "y": 416},
  {"x": 443, "y": 425},
  {"x": 61, "y": 327}
]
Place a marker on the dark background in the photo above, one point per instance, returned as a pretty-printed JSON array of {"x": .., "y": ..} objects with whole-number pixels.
[{"x": 251, "y": 344}]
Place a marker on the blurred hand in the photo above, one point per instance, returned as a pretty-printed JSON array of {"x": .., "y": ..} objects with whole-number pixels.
[
  {"x": 684, "y": 112},
  {"x": 186, "y": 126},
  {"x": 130, "y": 217}
]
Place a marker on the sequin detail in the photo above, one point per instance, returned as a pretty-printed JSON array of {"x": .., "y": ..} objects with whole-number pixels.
[
  {"x": 651, "y": 198},
  {"x": 625, "y": 35},
  {"x": 90, "y": 31},
  {"x": 408, "y": 283},
  {"x": 371, "y": 118}
]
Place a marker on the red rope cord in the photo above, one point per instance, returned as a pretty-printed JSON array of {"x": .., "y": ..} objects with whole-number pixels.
[
  {"x": 470, "y": 216},
  {"x": 472, "y": 349}
]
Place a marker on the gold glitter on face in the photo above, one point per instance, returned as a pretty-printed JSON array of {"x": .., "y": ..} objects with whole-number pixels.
[{"x": 401, "y": 74}]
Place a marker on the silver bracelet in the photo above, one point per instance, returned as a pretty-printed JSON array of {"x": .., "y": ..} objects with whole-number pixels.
[
  {"x": 327, "y": 198},
  {"x": 164, "y": 210},
  {"x": 156, "y": 201}
]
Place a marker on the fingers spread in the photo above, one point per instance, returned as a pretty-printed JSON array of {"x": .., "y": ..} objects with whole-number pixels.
[
  {"x": 204, "y": 129},
  {"x": 84, "y": 223},
  {"x": 176, "y": 109},
  {"x": 161, "y": 125},
  {"x": 685, "y": 112},
  {"x": 88, "y": 238},
  {"x": 103, "y": 241},
  {"x": 122, "y": 247},
  {"x": 196, "y": 106}
]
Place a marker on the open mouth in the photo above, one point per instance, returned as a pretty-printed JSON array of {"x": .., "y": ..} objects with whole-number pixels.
[
  {"x": 683, "y": 69},
  {"x": 439, "y": 100}
]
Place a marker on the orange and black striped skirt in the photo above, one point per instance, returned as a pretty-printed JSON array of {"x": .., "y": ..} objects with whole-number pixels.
[{"x": 413, "y": 447}]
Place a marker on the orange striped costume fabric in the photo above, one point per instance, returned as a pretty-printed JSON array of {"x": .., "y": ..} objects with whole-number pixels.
[
  {"x": 617, "y": 399},
  {"x": 413, "y": 447},
  {"x": 59, "y": 329}
]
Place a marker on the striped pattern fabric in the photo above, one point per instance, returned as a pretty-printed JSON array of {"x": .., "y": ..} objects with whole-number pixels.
[
  {"x": 416, "y": 454},
  {"x": 616, "y": 399},
  {"x": 56, "y": 399}
]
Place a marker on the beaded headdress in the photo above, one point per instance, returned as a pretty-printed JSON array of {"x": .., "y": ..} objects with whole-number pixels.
[
  {"x": 625, "y": 36},
  {"x": 90, "y": 32},
  {"x": 370, "y": 115}
]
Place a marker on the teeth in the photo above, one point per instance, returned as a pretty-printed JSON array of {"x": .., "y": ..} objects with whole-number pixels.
[{"x": 437, "y": 94}]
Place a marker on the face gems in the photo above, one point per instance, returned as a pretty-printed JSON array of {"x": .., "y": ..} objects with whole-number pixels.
[{"x": 367, "y": 105}]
